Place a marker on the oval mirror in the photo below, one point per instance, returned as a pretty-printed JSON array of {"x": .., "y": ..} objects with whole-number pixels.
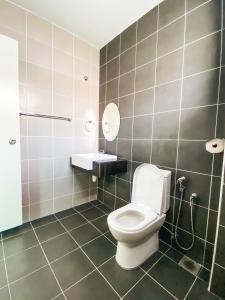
[{"x": 111, "y": 122}]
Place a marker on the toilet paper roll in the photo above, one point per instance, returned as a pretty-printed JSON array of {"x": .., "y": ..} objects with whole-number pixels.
[{"x": 215, "y": 146}]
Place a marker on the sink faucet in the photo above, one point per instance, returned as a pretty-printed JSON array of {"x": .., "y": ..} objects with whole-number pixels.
[{"x": 101, "y": 151}]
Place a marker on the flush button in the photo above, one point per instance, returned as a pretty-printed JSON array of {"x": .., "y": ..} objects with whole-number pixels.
[{"x": 12, "y": 142}]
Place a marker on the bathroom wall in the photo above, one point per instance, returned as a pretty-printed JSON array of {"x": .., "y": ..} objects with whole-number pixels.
[
  {"x": 52, "y": 67},
  {"x": 218, "y": 275},
  {"x": 164, "y": 72}
]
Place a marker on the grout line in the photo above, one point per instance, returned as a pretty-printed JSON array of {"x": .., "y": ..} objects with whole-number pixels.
[
  {"x": 5, "y": 266},
  {"x": 192, "y": 285},
  {"x": 48, "y": 262},
  {"x": 96, "y": 268}
]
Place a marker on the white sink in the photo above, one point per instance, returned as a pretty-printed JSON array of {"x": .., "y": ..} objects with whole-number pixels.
[{"x": 85, "y": 161}]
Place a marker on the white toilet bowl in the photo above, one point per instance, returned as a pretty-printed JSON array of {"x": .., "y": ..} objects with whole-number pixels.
[{"x": 136, "y": 225}]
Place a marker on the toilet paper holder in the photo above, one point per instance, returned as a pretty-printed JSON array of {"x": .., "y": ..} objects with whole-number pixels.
[{"x": 215, "y": 145}]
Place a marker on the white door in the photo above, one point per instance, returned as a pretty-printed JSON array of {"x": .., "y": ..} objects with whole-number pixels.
[{"x": 10, "y": 169}]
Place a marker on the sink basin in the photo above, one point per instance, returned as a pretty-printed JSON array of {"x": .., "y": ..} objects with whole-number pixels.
[{"x": 85, "y": 161}]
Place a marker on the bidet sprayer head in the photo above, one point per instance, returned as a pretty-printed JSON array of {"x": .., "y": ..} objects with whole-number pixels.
[{"x": 180, "y": 183}]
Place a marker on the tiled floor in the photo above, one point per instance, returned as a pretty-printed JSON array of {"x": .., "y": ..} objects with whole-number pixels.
[{"x": 71, "y": 255}]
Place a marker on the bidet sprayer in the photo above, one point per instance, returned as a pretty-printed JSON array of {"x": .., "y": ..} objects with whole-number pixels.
[{"x": 180, "y": 182}]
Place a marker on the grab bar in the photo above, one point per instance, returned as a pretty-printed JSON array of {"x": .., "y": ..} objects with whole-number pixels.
[{"x": 45, "y": 116}]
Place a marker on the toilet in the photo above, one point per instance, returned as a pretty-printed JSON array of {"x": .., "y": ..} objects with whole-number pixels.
[{"x": 136, "y": 225}]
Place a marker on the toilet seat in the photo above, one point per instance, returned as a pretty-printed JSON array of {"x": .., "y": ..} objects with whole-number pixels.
[{"x": 132, "y": 217}]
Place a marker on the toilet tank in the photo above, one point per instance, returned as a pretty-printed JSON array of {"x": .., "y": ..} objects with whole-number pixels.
[{"x": 151, "y": 187}]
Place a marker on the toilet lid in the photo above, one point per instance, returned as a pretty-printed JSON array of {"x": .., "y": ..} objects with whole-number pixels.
[{"x": 148, "y": 187}]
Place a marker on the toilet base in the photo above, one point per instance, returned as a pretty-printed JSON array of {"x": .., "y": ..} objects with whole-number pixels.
[{"x": 129, "y": 256}]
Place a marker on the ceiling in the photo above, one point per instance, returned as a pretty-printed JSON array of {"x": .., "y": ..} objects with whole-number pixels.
[{"x": 96, "y": 21}]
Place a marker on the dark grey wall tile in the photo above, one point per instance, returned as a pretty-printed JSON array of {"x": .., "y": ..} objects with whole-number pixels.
[
  {"x": 220, "y": 253},
  {"x": 125, "y": 130},
  {"x": 126, "y": 106},
  {"x": 166, "y": 125},
  {"x": 164, "y": 153},
  {"x": 127, "y": 60},
  {"x": 141, "y": 150},
  {"x": 218, "y": 281},
  {"x": 123, "y": 189},
  {"x": 193, "y": 157},
  {"x": 169, "y": 67},
  {"x": 111, "y": 147},
  {"x": 223, "y": 49},
  {"x": 167, "y": 97},
  {"x": 222, "y": 85},
  {"x": 169, "y": 10},
  {"x": 198, "y": 123},
  {"x": 147, "y": 24},
  {"x": 201, "y": 89},
  {"x": 143, "y": 103},
  {"x": 101, "y": 109},
  {"x": 146, "y": 50},
  {"x": 220, "y": 132},
  {"x": 142, "y": 127},
  {"x": 126, "y": 84},
  {"x": 195, "y": 182},
  {"x": 211, "y": 232},
  {"x": 202, "y": 55},
  {"x": 103, "y": 56},
  {"x": 204, "y": 20},
  {"x": 113, "y": 69},
  {"x": 145, "y": 77},
  {"x": 109, "y": 184},
  {"x": 222, "y": 214},
  {"x": 128, "y": 37},
  {"x": 191, "y": 4},
  {"x": 124, "y": 149},
  {"x": 102, "y": 75},
  {"x": 113, "y": 48},
  {"x": 171, "y": 37},
  {"x": 102, "y": 92},
  {"x": 109, "y": 200},
  {"x": 215, "y": 191},
  {"x": 112, "y": 89}
]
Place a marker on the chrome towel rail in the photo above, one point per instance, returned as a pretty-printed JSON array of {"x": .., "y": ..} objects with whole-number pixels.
[{"x": 45, "y": 116}]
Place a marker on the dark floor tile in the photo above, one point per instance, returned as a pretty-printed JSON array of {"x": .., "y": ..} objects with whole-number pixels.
[
  {"x": 92, "y": 213},
  {"x": 204, "y": 274},
  {"x": 59, "y": 246},
  {"x": 48, "y": 231},
  {"x": 121, "y": 280},
  {"x": 25, "y": 262},
  {"x": 39, "y": 285},
  {"x": 168, "y": 273},
  {"x": 96, "y": 202},
  {"x": 148, "y": 289},
  {"x": 71, "y": 268},
  {"x": 100, "y": 250},
  {"x": 147, "y": 24},
  {"x": 73, "y": 221},
  {"x": 111, "y": 238},
  {"x": 220, "y": 253},
  {"x": 203, "y": 21},
  {"x": 19, "y": 243},
  {"x": 92, "y": 287},
  {"x": 84, "y": 234},
  {"x": 104, "y": 208},
  {"x": 3, "y": 280},
  {"x": 17, "y": 230},
  {"x": 174, "y": 255},
  {"x": 4, "y": 294},
  {"x": 65, "y": 213},
  {"x": 199, "y": 291},
  {"x": 101, "y": 224},
  {"x": 170, "y": 10},
  {"x": 123, "y": 189},
  {"x": 218, "y": 281},
  {"x": 43, "y": 221},
  {"x": 163, "y": 247},
  {"x": 84, "y": 206},
  {"x": 151, "y": 261}
]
